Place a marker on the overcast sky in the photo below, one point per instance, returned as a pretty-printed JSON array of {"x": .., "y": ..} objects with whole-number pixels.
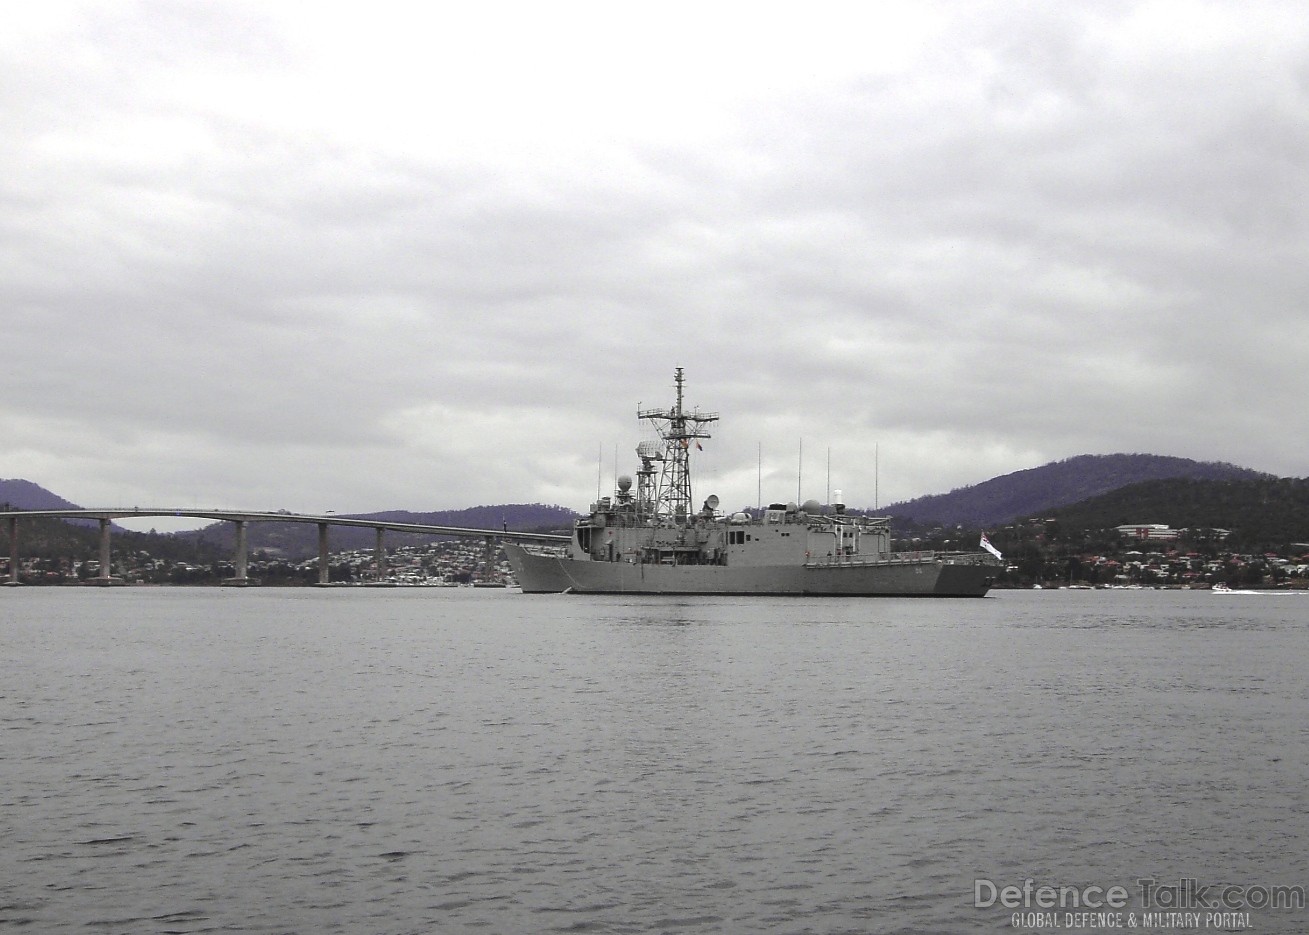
[{"x": 368, "y": 256}]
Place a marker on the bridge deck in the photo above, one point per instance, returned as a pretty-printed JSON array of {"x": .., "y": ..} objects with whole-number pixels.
[
  {"x": 105, "y": 517},
  {"x": 254, "y": 516}
]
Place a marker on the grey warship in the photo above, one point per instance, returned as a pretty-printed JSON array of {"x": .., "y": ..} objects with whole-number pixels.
[{"x": 649, "y": 541}]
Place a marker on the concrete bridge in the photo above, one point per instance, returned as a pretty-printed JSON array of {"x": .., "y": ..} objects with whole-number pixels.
[{"x": 242, "y": 519}]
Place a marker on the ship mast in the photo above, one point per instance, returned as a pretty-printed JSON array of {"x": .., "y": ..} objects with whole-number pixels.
[{"x": 679, "y": 430}]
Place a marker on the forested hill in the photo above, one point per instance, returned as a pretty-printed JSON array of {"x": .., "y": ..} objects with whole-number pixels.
[
  {"x": 1060, "y": 483},
  {"x": 1264, "y": 512},
  {"x": 521, "y": 516}
]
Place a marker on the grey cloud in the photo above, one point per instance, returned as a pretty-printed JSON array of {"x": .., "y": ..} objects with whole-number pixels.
[{"x": 1054, "y": 233}]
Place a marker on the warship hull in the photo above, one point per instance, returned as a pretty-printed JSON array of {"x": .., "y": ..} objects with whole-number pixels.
[
  {"x": 550, "y": 574},
  {"x": 648, "y": 539}
]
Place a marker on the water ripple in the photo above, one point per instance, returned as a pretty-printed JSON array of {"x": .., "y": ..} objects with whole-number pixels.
[{"x": 300, "y": 761}]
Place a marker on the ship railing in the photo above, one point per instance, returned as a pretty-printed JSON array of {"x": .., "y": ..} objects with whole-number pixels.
[
  {"x": 901, "y": 558},
  {"x": 545, "y": 549},
  {"x": 690, "y": 415},
  {"x": 875, "y": 558}
]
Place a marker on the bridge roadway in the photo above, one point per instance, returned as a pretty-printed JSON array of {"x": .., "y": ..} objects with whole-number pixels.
[{"x": 241, "y": 518}]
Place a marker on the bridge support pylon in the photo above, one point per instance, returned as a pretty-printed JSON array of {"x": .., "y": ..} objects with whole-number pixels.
[
  {"x": 379, "y": 563},
  {"x": 240, "y": 563},
  {"x": 105, "y": 578},
  {"x": 323, "y": 578},
  {"x": 13, "y": 581}
]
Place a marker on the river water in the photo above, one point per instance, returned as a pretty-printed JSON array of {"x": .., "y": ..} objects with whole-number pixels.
[{"x": 447, "y": 760}]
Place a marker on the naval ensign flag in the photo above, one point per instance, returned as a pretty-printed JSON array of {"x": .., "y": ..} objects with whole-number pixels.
[{"x": 986, "y": 544}]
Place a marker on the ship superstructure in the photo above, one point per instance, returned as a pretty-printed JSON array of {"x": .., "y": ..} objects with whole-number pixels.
[{"x": 651, "y": 541}]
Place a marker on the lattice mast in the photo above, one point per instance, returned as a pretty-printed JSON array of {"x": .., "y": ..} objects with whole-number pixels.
[{"x": 679, "y": 430}]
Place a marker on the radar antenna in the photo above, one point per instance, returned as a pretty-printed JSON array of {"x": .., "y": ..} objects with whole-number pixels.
[{"x": 670, "y": 499}]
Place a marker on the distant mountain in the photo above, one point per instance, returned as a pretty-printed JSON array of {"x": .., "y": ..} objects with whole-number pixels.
[
  {"x": 64, "y": 538},
  {"x": 1059, "y": 483},
  {"x": 990, "y": 503},
  {"x": 25, "y": 495}
]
